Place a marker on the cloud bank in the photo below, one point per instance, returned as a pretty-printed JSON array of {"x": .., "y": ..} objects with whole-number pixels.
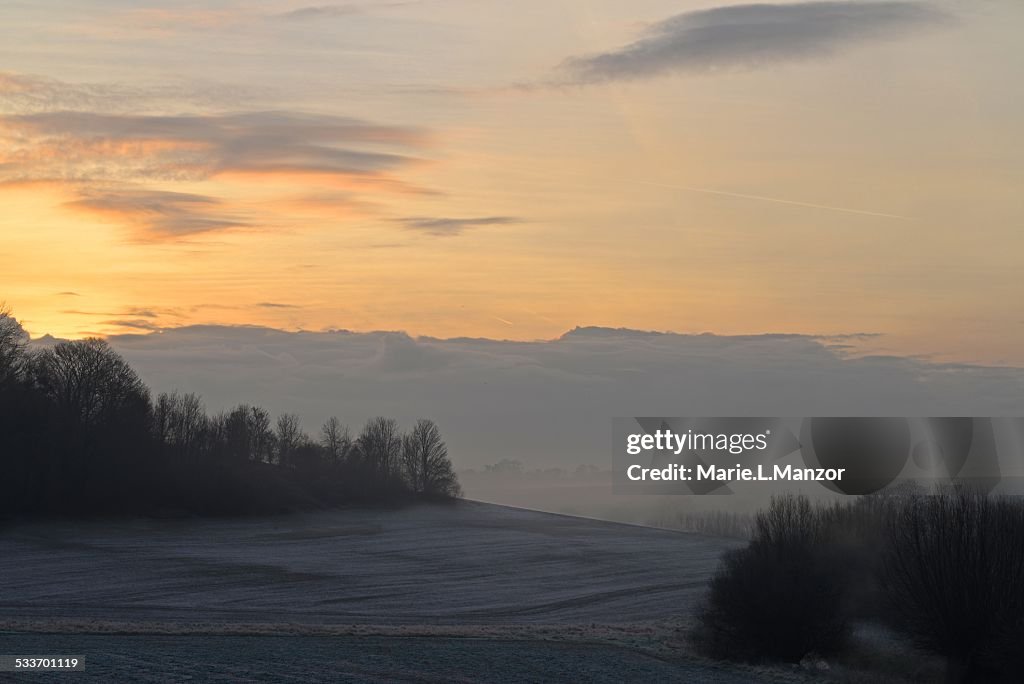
[
  {"x": 750, "y": 36},
  {"x": 550, "y": 402}
]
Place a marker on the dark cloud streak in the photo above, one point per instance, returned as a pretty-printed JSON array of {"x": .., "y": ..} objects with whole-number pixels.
[
  {"x": 276, "y": 305},
  {"x": 163, "y": 213},
  {"x": 445, "y": 227},
  {"x": 135, "y": 324},
  {"x": 750, "y": 36},
  {"x": 329, "y": 11}
]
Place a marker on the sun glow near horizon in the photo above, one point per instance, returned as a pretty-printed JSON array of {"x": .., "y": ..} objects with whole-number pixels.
[{"x": 360, "y": 172}]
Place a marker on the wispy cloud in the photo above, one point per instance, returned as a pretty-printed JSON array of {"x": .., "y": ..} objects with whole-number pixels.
[
  {"x": 750, "y": 36},
  {"x": 445, "y": 227},
  {"x": 170, "y": 21},
  {"x": 150, "y": 172},
  {"x": 162, "y": 213},
  {"x": 96, "y": 146},
  {"x": 121, "y": 165},
  {"x": 143, "y": 313},
  {"x": 30, "y": 93},
  {"x": 132, "y": 312},
  {"x": 337, "y": 10},
  {"x": 133, "y": 318},
  {"x": 276, "y": 305},
  {"x": 134, "y": 324}
]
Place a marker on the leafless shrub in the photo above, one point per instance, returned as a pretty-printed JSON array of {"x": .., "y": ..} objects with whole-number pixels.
[
  {"x": 953, "y": 571},
  {"x": 781, "y": 597}
]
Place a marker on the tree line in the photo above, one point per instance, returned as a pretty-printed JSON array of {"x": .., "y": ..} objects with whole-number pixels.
[{"x": 81, "y": 433}]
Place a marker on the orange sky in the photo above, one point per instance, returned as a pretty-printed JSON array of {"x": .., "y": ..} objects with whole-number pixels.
[{"x": 459, "y": 169}]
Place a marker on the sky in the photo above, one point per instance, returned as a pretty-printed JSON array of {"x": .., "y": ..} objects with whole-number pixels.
[{"x": 457, "y": 168}]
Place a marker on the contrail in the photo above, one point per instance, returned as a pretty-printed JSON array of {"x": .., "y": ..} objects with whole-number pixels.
[
  {"x": 503, "y": 320},
  {"x": 776, "y": 200}
]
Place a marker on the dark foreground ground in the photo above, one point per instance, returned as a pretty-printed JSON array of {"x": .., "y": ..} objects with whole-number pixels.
[
  {"x": 463, "y": 593},
  {"x": 353, "y": 659}
]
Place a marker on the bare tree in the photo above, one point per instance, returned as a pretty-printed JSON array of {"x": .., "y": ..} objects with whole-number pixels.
[
  {"x": 427, "y": 467},
  {"x": 380, "y": 444},
  {"x": 235, "y": 430},
  {"x": 13, "y": 340},
  {"x": 289, "y": 437},
  {"x": 953, "y": 569},
  {"x": 247, "y": 434},
  {"x": 88, "y": 381},
  {"x": 179, "y": 421},
  {"x": 162, "y": 418},
  {"x": 100, "y": 412},
  {"x": 261, "y": 438},
  {"x": 335, "y": 439}
]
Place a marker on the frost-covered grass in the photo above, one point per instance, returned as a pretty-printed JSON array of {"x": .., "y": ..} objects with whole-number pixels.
[
  {"x": 463, "y": 592},
  {"x": 155, "y": 658},
  {"x": 465, "y": 564}
]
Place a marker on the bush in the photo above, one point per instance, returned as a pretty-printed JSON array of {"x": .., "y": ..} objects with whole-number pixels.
[
  {"x": 783, "y": 596},
  {"x": 947, "y": 569},
  {"x": 953, "y": 571}
]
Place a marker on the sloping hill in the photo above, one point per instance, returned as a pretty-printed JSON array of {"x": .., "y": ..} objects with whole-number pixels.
[
  {"x": 469, "y": 592},
  {"x": 464, "y": 564}
]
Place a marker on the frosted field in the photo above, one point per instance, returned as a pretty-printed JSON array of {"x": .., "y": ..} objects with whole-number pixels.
[
  {"x": 469, "y": 563},
  {"x": 470, "y": 592}
]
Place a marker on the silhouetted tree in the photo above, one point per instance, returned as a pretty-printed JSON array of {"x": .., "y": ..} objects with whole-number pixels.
[
  {"x": 13, "y": 340},
  {"x": 261, "y": 437},
  {"x": 23, "y": 422},
  {"x": 335, "y": 439},
  {"x": 88, "y": 382},
  {"x": 100, "y": 414},
  {"x": 310, "y": 460},
  {"x": 288, "y": 438},
  {"x": 179, "y": 421},
  {"x": 425, "y": 459},
  {"x": 237, "y": 443},
  {"x": 80, "y": 434},
  {"x": 380, "y": 444}
]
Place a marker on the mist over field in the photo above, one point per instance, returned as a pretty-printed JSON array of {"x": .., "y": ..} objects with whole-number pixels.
[{"x": 549, "y": 403}]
